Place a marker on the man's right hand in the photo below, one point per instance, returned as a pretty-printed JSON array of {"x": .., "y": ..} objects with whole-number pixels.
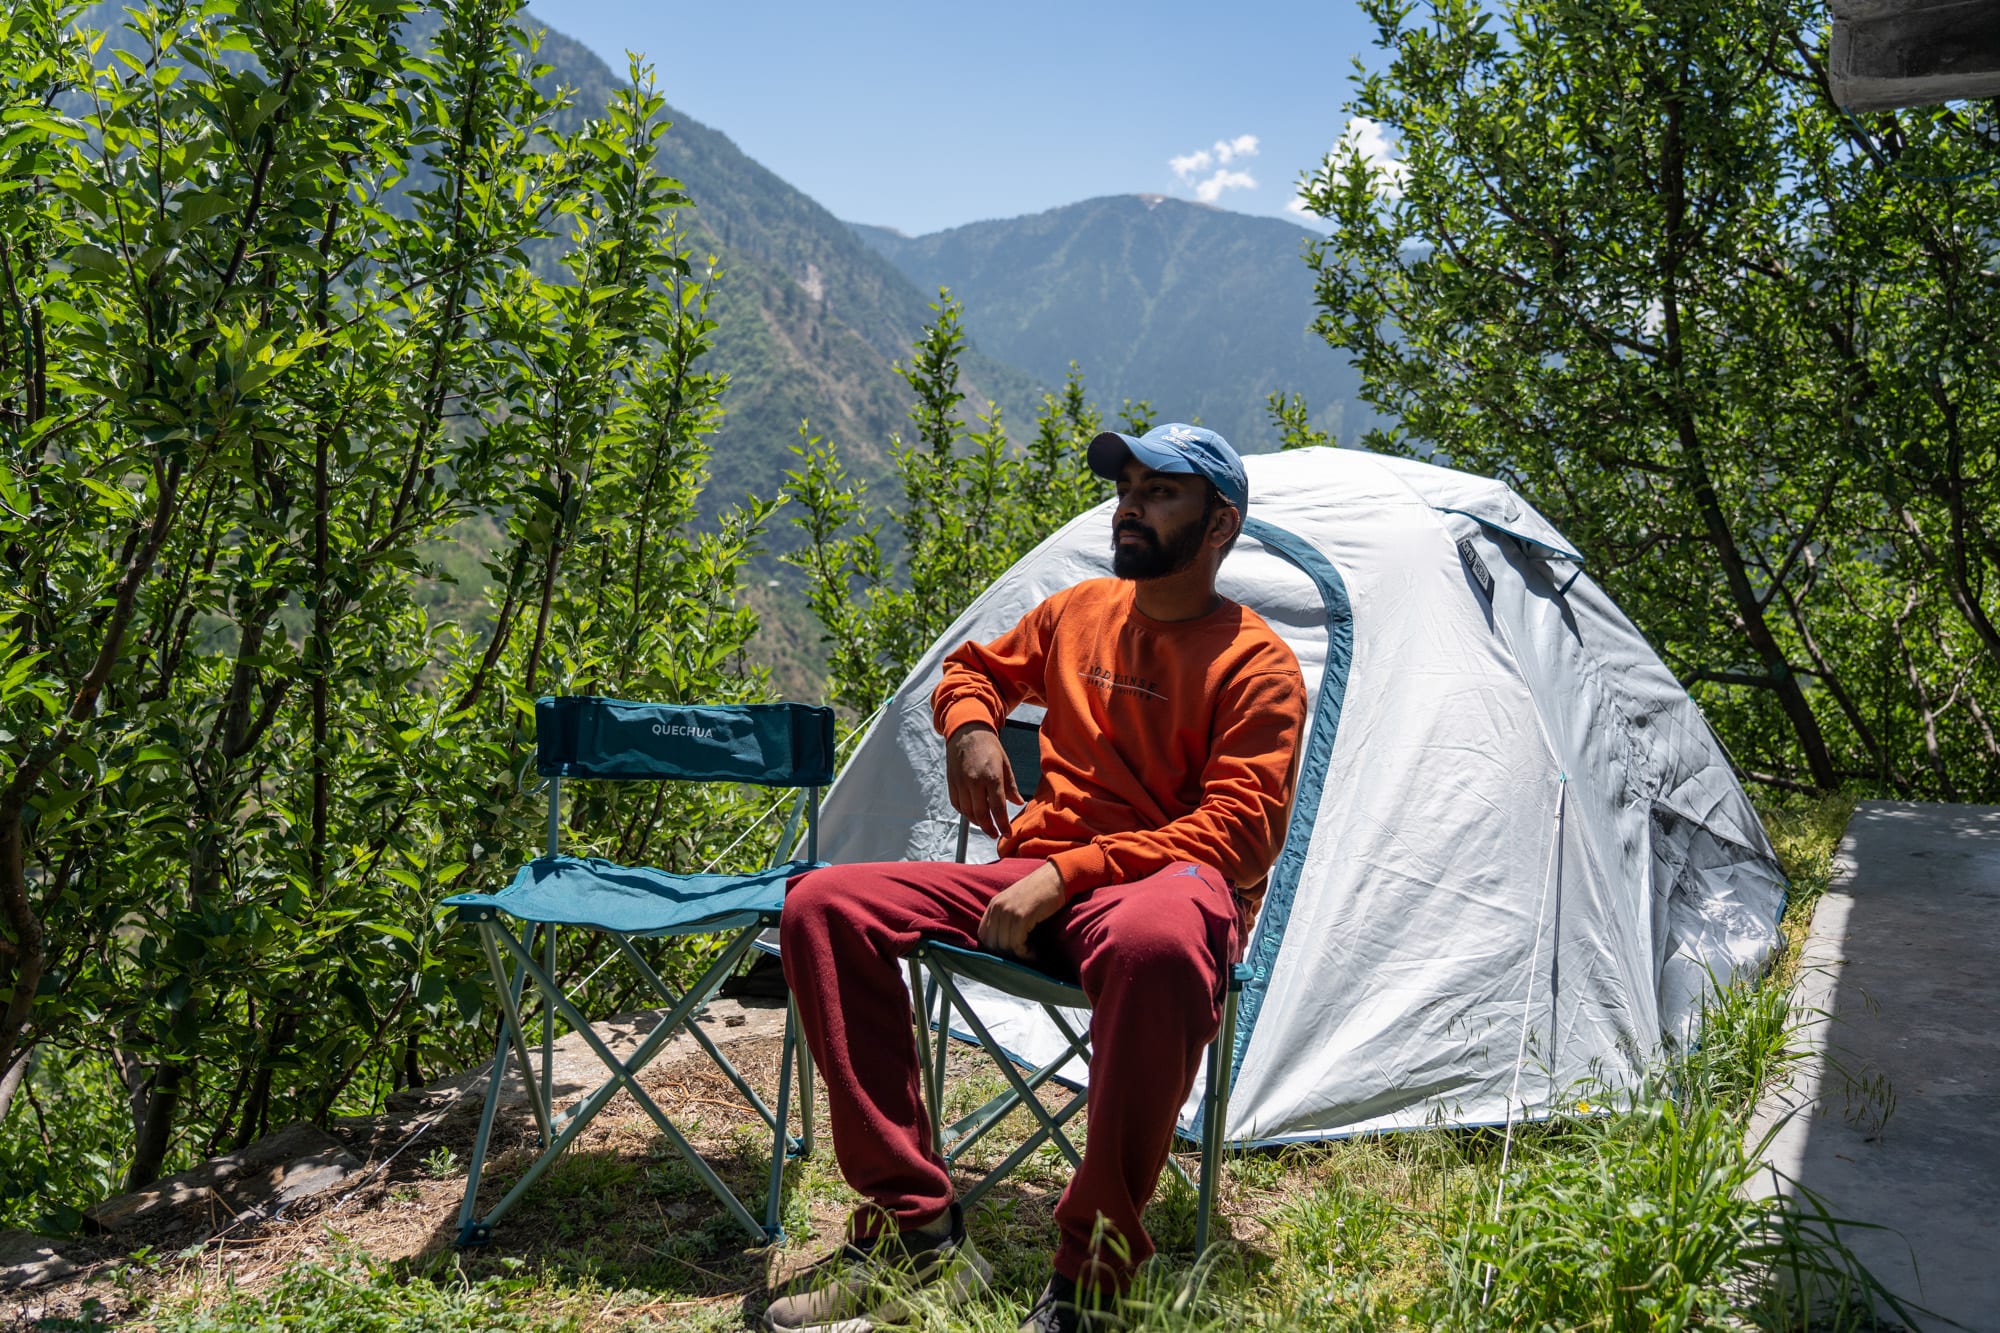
[{"x": 980, "y": 779}]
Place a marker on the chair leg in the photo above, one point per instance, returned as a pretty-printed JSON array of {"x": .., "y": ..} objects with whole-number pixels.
[
  {"x": 774, "y": 1197},
  {"x": 492, "y": 936},
  {"x": 806, "y": 1135},
  {"x": 920, "y": 1011},
  {"x": 933, "y": 991},
  {"x": 1215, "y": 1111},
  {"x": 470, "y": 1232},
  {"x": 548, "y": 1029}
]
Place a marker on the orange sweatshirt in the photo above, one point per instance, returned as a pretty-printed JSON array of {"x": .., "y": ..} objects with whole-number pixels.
[{"x": 1164, "y": 742}]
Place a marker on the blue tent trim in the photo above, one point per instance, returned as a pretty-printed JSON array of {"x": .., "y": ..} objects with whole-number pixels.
[{"x": 1313, "y": 766}]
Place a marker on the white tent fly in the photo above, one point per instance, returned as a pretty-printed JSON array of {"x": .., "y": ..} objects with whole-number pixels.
[{"x": 1519, "y": 859}]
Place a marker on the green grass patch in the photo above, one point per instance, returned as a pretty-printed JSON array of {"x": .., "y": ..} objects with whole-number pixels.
[{"x": 352, "y": 1293}]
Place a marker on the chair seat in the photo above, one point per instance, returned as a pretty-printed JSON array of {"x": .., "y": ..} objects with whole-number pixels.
[
  {"x": 635, "y": 900},
  {"x": 1028, "y": 983},
  {"x": 1005, "y": 974}
]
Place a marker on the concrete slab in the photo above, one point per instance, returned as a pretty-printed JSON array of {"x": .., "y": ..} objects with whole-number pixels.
[
  {"x": 297, "y": 1162},
  {"x": 28, "y": 1260},
  {"x": 1895, "y": 1117}
]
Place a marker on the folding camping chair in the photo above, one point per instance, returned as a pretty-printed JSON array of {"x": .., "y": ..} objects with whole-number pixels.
[
  {"x": 949, "y": 966},
  {"x": 771, "y": 745}
]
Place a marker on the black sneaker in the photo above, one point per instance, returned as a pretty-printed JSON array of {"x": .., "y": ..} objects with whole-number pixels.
[
  {"x": 860, "y": 1287},
  {"x": 1056, "y": 1310}
]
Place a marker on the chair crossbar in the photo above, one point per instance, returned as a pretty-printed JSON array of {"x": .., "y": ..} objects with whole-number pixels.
[
  {"x": 559, "y": 1133},
  {"x": 953, "y": 1141},
  {"x": 626, "y": 1074},
  {"x": 1008, "y": 1069},
  {"x": 1021, "y": 1154},
  {"x": 694, "y": 1030},
  {"x": 962, "y": 1134}
]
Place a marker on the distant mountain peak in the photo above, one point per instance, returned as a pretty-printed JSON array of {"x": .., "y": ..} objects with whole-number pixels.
[{"x": 1199, "y": 310}]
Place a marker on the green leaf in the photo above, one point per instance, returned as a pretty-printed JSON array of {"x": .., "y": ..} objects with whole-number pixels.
[
  {"x": 193, "y": 209},
  {"x": 95, "y": 259}
]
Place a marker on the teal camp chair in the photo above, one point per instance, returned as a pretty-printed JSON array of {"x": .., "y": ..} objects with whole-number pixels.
[
  {"x": 771, "y": 745},
  {"x": 949, "y": 966}
]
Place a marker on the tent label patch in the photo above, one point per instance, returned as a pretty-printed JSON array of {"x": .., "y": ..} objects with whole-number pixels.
[{"x": 1475, "y": 566}]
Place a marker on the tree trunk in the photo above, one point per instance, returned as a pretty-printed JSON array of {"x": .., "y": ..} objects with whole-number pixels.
[
  {"x": 1721, "y": 536},
  {"x": 156, "y": 1132},
  {"x": 10, "y": 1082}
]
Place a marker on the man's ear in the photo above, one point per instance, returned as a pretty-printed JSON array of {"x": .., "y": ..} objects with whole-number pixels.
[{"x": 1224, "y": 524}]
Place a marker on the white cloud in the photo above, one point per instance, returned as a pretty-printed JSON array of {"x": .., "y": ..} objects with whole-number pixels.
[
  {"x": 1210, "y": 188},
  {"x": 1298, "y": 205},
  {"x": 1243, "y": 145},
  {"x": 1207, "y": 172},
  {"x": 1365, "y": 136}
]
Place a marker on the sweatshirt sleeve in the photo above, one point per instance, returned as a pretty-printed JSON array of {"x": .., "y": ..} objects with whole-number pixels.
[
  {"x": 984, "y": 682},
  {"x": 1239, "y": 826}
]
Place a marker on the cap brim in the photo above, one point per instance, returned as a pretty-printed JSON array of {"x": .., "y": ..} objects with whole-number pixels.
[{"x": 1109, "y": 451}]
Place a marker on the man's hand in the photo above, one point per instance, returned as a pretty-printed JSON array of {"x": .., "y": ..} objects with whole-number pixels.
[
  {"x": 980, "y": 779},
  {"x": 1019, "y": 908}
]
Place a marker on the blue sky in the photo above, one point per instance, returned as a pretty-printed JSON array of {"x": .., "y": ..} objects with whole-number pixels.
[{"x": 928, "y": 115}]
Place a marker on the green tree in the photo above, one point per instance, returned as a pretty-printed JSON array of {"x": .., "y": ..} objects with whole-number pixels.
[
  {"x": 269, "y": 338},
  {"x": 1734, "y": 342},
  {"x": 973, "y": 504}
]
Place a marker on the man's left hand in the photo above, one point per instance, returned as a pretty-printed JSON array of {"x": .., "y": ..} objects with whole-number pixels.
[{"x": 1019, "y": 908}]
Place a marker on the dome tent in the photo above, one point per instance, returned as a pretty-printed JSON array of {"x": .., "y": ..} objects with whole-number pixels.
[{"x": 1518, "y": 856}]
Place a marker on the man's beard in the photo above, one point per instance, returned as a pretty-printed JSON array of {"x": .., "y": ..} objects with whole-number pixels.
[{"x": 1154, "y": 559}]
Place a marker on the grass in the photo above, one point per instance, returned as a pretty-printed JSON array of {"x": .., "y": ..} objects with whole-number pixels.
[{"x": 1629, "y": 1215}]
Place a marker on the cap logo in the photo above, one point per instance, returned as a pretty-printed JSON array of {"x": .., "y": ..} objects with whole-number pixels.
[{"x": 1179, "y": 435}]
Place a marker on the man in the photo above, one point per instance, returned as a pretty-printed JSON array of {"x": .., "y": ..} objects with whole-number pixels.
[{"x": 1172, "y": 714}]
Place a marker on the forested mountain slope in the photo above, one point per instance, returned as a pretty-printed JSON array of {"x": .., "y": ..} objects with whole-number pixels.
[
  {"x": 811, "y": 319},
  {"x": 1202, "y": 311}
]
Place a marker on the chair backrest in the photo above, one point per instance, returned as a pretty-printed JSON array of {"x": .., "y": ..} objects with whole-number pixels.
[
  {"x": 770, "y": 745},
  {"x": 1023, "y": 743}
]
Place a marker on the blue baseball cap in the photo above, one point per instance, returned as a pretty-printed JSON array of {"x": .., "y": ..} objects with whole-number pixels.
[{"x": 1176, "y": 447}]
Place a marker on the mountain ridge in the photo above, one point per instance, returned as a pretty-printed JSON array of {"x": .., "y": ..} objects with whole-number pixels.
[{"x": 1202, "y": 311}]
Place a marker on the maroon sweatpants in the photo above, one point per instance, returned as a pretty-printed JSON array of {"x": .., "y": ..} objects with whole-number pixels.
[{"x": 1150, "y": 955}]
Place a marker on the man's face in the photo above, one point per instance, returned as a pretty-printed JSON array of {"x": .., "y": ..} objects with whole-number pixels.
[{"x": 1157, "y": 528}]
